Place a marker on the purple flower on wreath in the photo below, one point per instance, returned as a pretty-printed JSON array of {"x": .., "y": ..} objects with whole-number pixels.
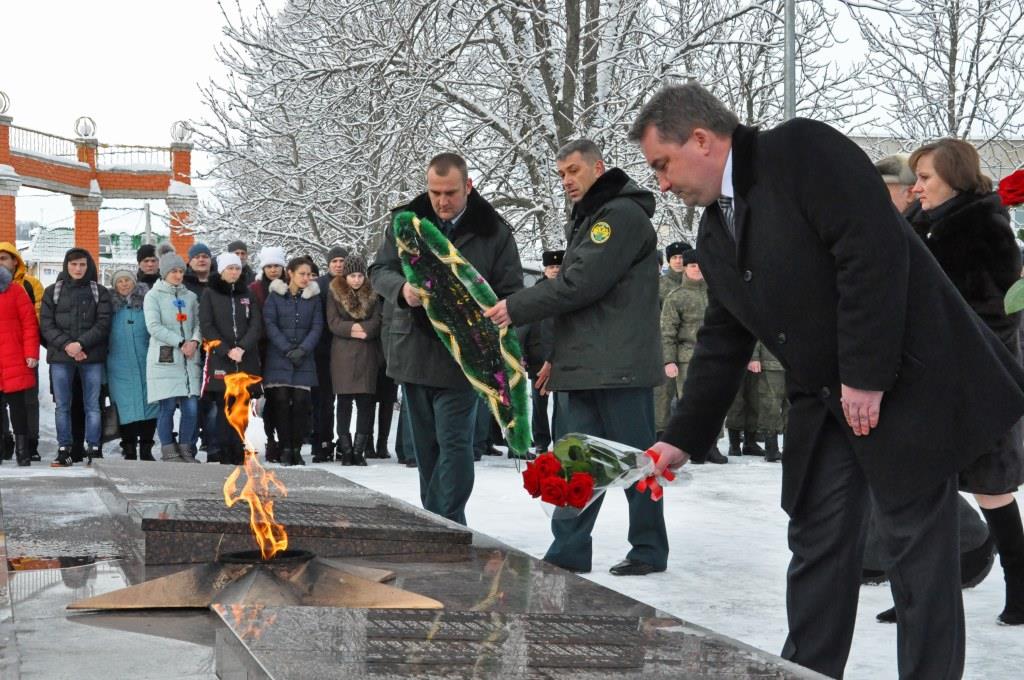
[
  {"x": 414, "y": 259},
  {"x": 502, "y": 385},
  {"x": 428, "y": 284}
]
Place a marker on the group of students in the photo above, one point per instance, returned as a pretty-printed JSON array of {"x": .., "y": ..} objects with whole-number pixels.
[{"x": 170, "y": 337}]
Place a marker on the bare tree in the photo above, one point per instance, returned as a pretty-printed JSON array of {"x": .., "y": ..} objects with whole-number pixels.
[{"x": 947, "y": 67}]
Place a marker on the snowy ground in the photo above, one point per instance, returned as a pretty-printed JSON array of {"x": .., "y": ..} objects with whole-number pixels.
[{"x": 728, "y": 554}]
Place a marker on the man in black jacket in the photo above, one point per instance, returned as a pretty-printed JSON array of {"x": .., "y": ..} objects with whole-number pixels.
[
  {"x": 894, "y": 383},
  {"x": 323, "y": 394},
  {"x": 606, "y": 358},
  {"x": 197, "y": 279},
  {"x": 240, "y": 249},
  {"x": 75, "y": 321},
  {"x": 442, "y": 404},
  {"x": 149, "y": 265}
]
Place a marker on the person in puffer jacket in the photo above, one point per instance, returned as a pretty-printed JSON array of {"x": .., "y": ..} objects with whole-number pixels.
[
  {"x": 75, "y": 322},
  {"x": 294, "y": 320},
  {"x": 231, "y": 320},
  {"x": 172, "y": 363},
  {"x": 19, "y": 355}
]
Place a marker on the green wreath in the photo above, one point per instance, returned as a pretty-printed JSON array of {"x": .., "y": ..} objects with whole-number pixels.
[{"x": 455, "y": 297}]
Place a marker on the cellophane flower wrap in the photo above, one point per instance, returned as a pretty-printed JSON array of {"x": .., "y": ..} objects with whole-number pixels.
[
  {"x": 1011, "y": 194},
  {"x": 581, "y": 467},
  {"x": 455, "y": 297}
]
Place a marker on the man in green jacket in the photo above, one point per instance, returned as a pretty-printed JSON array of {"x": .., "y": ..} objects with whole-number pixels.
[
  {"x": 606, "y": 357},
  {"x": 665, "y": 393},
  {"x": 441, "y": 403}
]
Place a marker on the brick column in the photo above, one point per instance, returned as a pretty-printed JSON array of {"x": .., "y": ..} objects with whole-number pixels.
[
  {"x": 10, "y": 182},
  {"x": 181, "y": 203},
  {"x": 87, "y": 223},
  {"x": 181, "y": 162}
]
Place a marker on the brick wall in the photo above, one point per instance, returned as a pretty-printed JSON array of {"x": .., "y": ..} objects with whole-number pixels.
[
  {"x": 87, "y": 231},
  {"x": 8, "y": 229}
]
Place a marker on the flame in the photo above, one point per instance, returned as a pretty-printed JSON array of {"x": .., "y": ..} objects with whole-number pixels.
[{"x": 270, "y": 534}]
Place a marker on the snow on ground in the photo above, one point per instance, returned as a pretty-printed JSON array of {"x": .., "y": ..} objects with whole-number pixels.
[{"x": 727, "y": 563}]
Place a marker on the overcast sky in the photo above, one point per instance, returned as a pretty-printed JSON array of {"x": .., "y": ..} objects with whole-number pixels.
[{"x": 131, "y": 65}]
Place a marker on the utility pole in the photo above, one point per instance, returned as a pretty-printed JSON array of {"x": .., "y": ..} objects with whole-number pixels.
[
  {"x": 789, "y": 76},
  {"x": 148, "y": 238}
]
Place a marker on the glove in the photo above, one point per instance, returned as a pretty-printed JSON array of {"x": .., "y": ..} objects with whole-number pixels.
[{"x": 296, "y": 356}]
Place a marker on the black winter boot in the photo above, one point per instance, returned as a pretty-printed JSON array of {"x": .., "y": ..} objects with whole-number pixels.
[
  {"x": 750, "y": 447},
  {"x": 146, "y": 450},
  {"x": 1005, "y": 526},
  {"x": 359, "y": 449},
  {"x": 734, "y": 443},
  {"x": 345, "y": 449},
  {"x": 771, "y": 448},
  {"x": 77, "y": 451},
  {"x": 129, "y": 450},
  {"x": 297, "y": 454},
  {"x": 33, "y": 449},
  {"x": 323, "y": 452},
  {"x": 6, "y": 446},
  {"x": 273, "y": 451},
  {"x": 21, "y": 451},
  {"x": 370, "y": 452}
]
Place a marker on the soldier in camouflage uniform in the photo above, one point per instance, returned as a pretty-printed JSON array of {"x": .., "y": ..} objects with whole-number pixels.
[
  {"x": 681, "y": 316},
  {"x": 665, "y": 393},
  {"x": 771, "y": 404}
]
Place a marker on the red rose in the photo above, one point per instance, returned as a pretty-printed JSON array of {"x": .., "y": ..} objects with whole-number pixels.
[
  {"x": 553, "y": 490},
  {"x": 531, "y": 480},
  {"x": 580, "y": 489},
  {"x": 1011, "y": 189},
  {"x": 548, "y": 465}
]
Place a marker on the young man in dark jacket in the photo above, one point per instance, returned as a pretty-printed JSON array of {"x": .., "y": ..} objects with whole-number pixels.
[
  {"x": 442, "y": 404},
  {"x": 197, "y": 279},
  {"x": 323, "y": 394},
  {"x": 241, "y": 249},
  {"x": 606, "y": 358},
  {"x": 75, "y": 322},
  {"x": 149, "y": 265}
]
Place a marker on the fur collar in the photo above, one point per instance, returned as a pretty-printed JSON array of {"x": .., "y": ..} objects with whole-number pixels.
[
  {"x": 359, "y": 304},
  {"x": 281, "y": 288},
  {"x": 978, "y": 214},
  {"x": 607, "y": 187},
  {"x": 133, "y": 301},
  {"x": 236, "y": 289},
  {"x": 480, "y": 217}
]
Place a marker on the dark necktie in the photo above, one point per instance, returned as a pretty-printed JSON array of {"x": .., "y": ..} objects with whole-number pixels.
[
  {"x": 725, "y": 204},
  {"x": 447, "y": 228}
]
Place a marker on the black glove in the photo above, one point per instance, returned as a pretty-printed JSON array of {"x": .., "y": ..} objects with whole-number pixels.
[{"x": 296, "y": 356}]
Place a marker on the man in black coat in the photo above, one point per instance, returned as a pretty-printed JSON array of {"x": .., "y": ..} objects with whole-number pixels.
[
  {"x": 606, "y": 357},
  {"x": 894, "y": 383},
  {"x": 323, "y": 394},
  {"x": 442, "y": 404}
]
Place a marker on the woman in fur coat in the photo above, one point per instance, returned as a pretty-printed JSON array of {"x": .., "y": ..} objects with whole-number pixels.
[
  {"x": 294, "y": 320},
  {"x": 968, "y": 231},
  {"x": 354, "y": 318}
]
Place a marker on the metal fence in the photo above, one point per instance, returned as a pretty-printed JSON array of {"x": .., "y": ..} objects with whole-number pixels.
[
  {"x": 43, "y": 144},
  {"x": 133, "y": 157}
]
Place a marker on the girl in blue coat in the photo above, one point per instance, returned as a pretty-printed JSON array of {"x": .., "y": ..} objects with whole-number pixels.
[
  {"x": 126, "y": 367},
  {"x": 294, "y": 321}
]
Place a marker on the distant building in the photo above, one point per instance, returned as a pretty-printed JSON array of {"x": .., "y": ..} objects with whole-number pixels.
[{"x": 45, "y": 254}]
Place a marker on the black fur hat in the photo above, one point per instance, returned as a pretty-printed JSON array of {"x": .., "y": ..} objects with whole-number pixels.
[
  {"x": 552, "y": 257},
  {"x": 676, "y": 248}
]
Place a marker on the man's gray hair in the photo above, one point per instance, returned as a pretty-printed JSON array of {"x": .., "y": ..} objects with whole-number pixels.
[
  {"x": 676, "y": 110},
  {"x": 584, "y": 147}
]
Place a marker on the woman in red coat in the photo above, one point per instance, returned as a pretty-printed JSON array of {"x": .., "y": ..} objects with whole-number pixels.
[{"x": 19, "y": 355}]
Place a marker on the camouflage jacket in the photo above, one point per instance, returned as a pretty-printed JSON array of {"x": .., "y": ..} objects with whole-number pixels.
[{"x": 681, "y": 316}]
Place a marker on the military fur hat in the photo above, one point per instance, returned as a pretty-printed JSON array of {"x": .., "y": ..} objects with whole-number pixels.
[
  {"x": 896, "y": 170},
  {"x": 690, "y": 256},
  {"x": 552, "y": 257},
  {"x": 676, "y": 248}
]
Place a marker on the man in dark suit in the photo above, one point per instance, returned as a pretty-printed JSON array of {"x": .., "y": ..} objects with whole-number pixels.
[{"x": 894, "y": 383}]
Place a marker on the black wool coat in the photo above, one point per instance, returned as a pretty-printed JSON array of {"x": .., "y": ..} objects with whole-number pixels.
[
  {"x": 838, "y": 287},
  {"x": 971, "y": 238},
  {"x": 412, "y": 350},
  {"x": 230, "y": 314}
]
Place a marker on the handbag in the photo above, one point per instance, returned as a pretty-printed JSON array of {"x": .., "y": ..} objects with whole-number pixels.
[{"x": 110, "y": 422}]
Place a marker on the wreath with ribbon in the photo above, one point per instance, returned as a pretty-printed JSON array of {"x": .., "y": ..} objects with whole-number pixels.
[{"x": 455, "y": 297}]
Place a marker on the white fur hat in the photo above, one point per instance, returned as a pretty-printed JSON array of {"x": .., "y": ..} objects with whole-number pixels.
[{"x": 225, "y": 260}]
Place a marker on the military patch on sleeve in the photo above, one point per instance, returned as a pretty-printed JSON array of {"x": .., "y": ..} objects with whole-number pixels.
[{"x": 600, "y": 232}]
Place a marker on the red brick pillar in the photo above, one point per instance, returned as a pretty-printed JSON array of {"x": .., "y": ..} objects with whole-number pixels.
[
  {"x": 87, "y": 223},
  {"x": 10, "y": 182},
  {"x": 181, "y": 198}
]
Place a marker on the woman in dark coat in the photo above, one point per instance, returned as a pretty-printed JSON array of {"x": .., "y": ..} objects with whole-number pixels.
[
  {"x": 354, "y": 318},
  {"x": 231, "y": 320},
  {"x": 272, "y": 263},
  {"x": 968, "y": 231},
  {"x": 294, "y": 320}
]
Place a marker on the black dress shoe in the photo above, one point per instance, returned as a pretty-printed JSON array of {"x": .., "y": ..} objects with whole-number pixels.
[
  {"x": 634, "y": 568},
  {"x": 715, "y": 456},
  {"x": 888, "y": 616}
]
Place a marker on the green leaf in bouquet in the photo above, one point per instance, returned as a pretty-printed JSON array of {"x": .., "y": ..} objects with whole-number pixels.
[
  {"x": 570, "y": 449},
  {"x": 1014, "y": 300}
]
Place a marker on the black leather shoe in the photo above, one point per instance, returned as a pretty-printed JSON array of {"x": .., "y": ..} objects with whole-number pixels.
[
  {"x": 634, "y": 568},
  {"x": 888, "y": 616}
]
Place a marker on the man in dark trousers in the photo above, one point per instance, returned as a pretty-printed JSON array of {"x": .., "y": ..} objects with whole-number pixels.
[
  {"x": 606, "y": 359},
  {"x": 894, "y": 383},
  {"x": 442, "y": 404}
]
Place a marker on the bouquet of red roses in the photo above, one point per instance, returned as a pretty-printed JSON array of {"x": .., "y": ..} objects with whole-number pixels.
[{"x": 581, "y": 467}]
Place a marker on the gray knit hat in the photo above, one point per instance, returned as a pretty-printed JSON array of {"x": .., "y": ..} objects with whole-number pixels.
[
  {"x": 896, "y": 170},
  {"x": 124, "y": 273},
  {"x": 169, "y": 259}
]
